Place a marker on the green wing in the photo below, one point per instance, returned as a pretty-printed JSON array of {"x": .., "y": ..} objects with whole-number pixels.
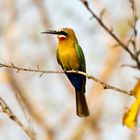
[{"x": 81, "y": 57}]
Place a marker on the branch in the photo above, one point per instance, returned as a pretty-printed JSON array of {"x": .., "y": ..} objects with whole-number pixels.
[
  {"x": 5, "y": 109},
  {"x": 29, "y": 106},
  {"x": 127, "y": 65},
  {"x": 105, "y": 85},
  {"x": 133, "y": 25},
  {"x": 110, "y": 32}
]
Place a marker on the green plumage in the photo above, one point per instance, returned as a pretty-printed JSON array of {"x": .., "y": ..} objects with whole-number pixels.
[{"x": 81, "y": 57}]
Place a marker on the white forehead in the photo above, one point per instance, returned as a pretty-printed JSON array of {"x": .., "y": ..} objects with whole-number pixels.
[{"x": 59, "y": 30}]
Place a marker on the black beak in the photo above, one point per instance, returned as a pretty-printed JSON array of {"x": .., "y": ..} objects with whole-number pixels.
[
  {"x": 51, "y": 32},
  {"x": 55, "y": 32}
]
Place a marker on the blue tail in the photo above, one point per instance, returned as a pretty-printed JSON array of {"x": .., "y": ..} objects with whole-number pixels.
[{"x": 79, "y": 81}]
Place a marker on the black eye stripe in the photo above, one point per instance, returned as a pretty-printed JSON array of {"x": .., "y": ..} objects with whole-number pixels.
[{"x": 63, "y": 33}]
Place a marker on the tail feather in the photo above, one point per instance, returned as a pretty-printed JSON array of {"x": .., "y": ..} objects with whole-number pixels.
[{"x": 81, "y": 105}]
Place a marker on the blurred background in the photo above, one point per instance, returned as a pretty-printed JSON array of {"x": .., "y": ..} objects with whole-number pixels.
[{"x": 46, "y": 105}]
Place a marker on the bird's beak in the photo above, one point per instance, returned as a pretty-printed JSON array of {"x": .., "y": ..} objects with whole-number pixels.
[{"x": 51, "y": 32}]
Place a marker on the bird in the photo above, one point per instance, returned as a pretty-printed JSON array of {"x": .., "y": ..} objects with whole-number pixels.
[{"x": 71, "y": 57}]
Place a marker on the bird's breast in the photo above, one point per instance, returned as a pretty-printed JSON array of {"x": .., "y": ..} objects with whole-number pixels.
[{"x": 68, "y": 58}]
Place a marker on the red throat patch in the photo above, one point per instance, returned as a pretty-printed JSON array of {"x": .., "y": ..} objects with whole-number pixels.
[{"x": 61, "y": 37}]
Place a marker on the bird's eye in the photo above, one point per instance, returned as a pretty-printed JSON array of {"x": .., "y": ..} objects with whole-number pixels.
[{"x": 63, "y": 33}]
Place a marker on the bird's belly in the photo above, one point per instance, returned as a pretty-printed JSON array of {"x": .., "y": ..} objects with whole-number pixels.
[{"x": 69, "y": 60}]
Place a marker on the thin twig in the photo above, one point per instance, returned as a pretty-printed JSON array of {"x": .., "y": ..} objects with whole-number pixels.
[
  {"x": 5, "y": 109},
  {"x": 33, "y": 110},
  {"x": 110, "y": 32},
  {"x": 134, "y": 23},
  {"x": 105, "y": 85},
  {"x": 128, "y": 65}
]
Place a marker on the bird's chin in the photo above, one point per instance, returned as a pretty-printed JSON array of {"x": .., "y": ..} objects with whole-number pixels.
[{"x": 61, "y": 37}]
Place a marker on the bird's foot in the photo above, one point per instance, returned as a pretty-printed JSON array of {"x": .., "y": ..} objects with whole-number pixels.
[
  {"x": 75, "y": 70},
  {"x": 65, "y": 70}
]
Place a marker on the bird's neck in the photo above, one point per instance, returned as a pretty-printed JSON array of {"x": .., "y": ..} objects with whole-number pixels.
[{"x": 66, "y": 43}]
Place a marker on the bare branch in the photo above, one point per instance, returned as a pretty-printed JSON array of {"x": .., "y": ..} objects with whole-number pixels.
[
  {"x": 110, "y": 32},
  {"x": 5, "y": 109},
  {"x": 135, "y": 19},
  {"x": 104, "y": 26},
  {"x": 105, "y": 85},
  {"x": 127, "y": 65}
]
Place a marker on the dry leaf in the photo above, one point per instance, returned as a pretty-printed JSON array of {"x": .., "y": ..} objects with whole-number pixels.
[{"x": 130, "y": 117}]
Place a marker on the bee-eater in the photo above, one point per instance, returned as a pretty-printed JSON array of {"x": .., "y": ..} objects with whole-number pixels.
[{"x": 70, "y": 56}]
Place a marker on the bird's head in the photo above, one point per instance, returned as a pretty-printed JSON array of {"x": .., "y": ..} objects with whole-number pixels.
[{"x": 63, "y": 34}]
